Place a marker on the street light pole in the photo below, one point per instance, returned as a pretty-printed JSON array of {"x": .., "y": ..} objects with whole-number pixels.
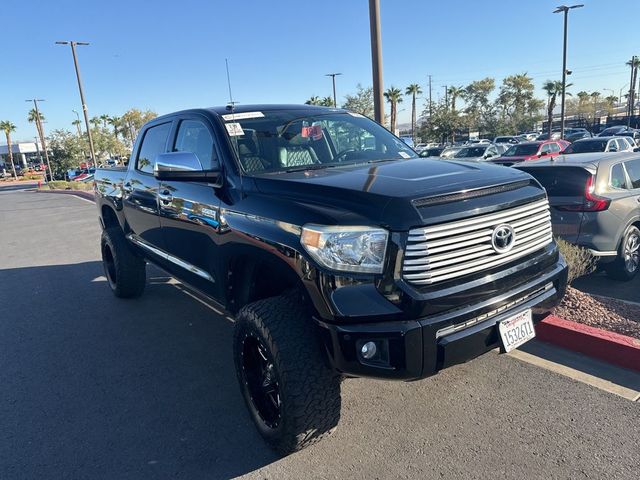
[
  {"x": 376, "y": 60},
  {"x": 564, "y": 9},
  {"x": 333, "y": 77},
  {"x": 84, "y": 104},
  {"x": 40, "y": 129}
]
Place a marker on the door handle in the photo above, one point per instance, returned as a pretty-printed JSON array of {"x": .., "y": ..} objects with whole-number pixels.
[
  {"x": 165, "y": 197},
  {"x": 127, "y": 188}
]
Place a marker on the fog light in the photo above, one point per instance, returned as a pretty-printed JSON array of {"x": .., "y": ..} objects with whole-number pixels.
[{"x": 368, "y": 350}]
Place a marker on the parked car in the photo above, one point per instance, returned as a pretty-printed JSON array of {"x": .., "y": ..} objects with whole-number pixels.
[
  {"x": 555, "y": 135},
  {"x": 506, "y": 139},
  {"x": 336, "y": 259},
  {"x": 528, "y": 136},
  {"x": 525, "y": 151},
  {"x": 571, "y": 135},
  {"x": 432, "y": 152},
  {"x": 595, "y": 203},
  {"x": 478, "y": 152},
  {"x": 407, "y": 140},
  {"x": 421, "y": 146},
  {"x": 3, "y": 173},
  {"x": 475, "y": 141},
  {"x": 600, "y": 144},
  {"x": 621, "y": 130},
  {"x": 450, "y": 152}
]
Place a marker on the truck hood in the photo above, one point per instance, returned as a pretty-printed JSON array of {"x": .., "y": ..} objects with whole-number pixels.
[{"x": 384, "y": 193}]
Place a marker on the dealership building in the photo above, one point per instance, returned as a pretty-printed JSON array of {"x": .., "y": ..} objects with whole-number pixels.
[{"x": 24, "y": 153}]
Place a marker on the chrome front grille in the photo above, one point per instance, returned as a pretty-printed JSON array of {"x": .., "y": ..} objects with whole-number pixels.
[{"x": 451, "y": 250}]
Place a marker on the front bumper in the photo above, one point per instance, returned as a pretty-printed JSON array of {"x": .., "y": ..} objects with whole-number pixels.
[{"x": 414, "y": 349}]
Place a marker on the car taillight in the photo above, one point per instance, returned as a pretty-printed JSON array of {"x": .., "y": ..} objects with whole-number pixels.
[{"x": 591, "y": 203}]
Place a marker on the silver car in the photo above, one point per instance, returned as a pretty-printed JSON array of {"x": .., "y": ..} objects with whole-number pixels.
[
  {"x": 595, "y": 203},
  {"x": 601, "y": 144}
]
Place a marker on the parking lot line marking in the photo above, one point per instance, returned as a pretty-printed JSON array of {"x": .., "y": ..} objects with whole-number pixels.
[{"x": 621, "y": 382}]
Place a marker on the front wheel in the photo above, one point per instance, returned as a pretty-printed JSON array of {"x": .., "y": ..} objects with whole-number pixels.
[
  {"x": 293, "y": 397},
  {"x": 626, "y": 265},
  {"x": 125, "y": 271}
]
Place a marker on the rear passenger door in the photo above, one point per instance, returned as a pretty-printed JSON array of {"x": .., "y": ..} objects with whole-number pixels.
[{"x": 189, "y": 211}]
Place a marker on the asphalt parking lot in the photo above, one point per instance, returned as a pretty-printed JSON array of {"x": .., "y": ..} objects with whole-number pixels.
[{"x": 97, "y": 387}]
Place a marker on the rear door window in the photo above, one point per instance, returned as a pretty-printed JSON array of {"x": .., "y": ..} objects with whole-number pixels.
[
  {"x": 618, "y": 178},
  {"x": 561, "y": 181},
  {"x": 633, "y": 169}
]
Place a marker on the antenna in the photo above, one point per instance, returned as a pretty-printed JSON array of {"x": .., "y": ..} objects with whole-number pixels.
[{"x": 231, "y": 102}]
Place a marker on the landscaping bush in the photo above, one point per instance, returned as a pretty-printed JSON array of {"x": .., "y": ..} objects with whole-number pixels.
[
  {"x": 580, "y": 260},
  {"x": 64, "y": 185}
]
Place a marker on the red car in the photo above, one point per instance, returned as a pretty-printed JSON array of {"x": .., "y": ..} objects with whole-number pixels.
[{"x": 522, "y": 152}]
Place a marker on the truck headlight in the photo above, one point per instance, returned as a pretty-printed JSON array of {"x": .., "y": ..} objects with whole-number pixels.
[{"x": 347, "y": 249}]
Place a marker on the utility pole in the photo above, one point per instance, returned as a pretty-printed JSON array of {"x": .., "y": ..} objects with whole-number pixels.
[
  {"x": 333, "y": 77},
  {"x": 84, "y": 104},
  {"x": 632, "y": 89},
  {"x": 40, "y": 129},
  {"x": 376, "y": 60},
  {"x": 38, "y": 150},
  {"x": 430, "y": 101},
  {"x": 564, "y": 9}
]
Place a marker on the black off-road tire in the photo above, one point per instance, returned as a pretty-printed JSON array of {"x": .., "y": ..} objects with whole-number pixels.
[
  {"x": 125, "y": 271},
  {"x": 309, "y": 390},
  {"x": 619, "y": 268}
]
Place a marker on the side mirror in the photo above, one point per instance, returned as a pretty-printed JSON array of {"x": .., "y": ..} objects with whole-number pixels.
[
  {"x": 613, "y": 149},
  {"x": 184, "y": 166},
  {"x": 543, "y": 154}
]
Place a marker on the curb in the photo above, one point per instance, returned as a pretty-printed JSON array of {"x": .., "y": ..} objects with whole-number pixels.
[
  {"x": 610, "y": 347},
  {"x": 78, "y": 193}
]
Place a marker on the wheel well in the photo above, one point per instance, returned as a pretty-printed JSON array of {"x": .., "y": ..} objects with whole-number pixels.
[
  {"x": 109, "y": 217},
  {"x": 251, "y": 280}
]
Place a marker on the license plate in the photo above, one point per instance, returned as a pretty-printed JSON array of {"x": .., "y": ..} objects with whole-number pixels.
[{"x": 516, "y": 330}]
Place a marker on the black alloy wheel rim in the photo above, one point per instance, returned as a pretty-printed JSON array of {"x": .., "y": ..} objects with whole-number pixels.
[
  {"x": 109, "y": 265},
  {"x": 261, "y": 381}
]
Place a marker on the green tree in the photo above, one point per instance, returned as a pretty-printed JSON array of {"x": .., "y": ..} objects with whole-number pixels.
[
  {"x": 326, "y": 102},
  {"x": 394, "y": 97},
  {"x": 66, "y": 151},
  {"x": 9, "y": 127},
  {"x": 413, "y": 90},
  {"x": 480, "y": 109},
  {"x": 361, "y": 102},
  {"x": 132, "y": 122},
  {"x": 313, "y": 100},
  {"x": 442, "y": 124},
  {"x": 610, "y": 103},
  {"x": 105, "y": 120},
  {"x": 517, "y": 104},
  {"x": 116, "y": 123}
]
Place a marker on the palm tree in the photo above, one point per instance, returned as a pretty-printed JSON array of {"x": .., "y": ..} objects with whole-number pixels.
[
  {"x": 105, "y": 120},
  {"x": 33, "y": 116},
  {"x": 76, "y": 123},
  {"x": 454, "y": 93},
  {"x": 413, "y": 90},
  {"x": 326, "y": 102},
  {"x": 595, "y": 96},
  {"x": 553, "y": 89},
  {"x": 9, "y": 127},
  {"x": 313, "y": 100},
  {"x": 394, "y": 97},
  {"x": 116, "y": 123},
  {"x": 634, "y": 63},
  {"x": 95, "y": 121},
  {"x": 611, "y": 103}
]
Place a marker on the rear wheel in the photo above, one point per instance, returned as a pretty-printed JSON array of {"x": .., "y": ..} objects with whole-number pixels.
[
  {"x": 626, "y": 265},
  {"x": 125, "y": 271},
  {"x": 292, "y": 395}
]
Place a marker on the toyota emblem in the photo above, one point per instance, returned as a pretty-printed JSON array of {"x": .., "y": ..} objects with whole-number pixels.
[{"x": 503, "y": 238}]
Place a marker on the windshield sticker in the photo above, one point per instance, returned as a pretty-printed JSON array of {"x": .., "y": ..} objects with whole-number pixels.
[
  {"x": 230, "y": 117},
  {"x": 234, "y": 129},
  {"x": 314, "y": 132},
  {"x": 404, "y": 154},
  {"x": 354, "y": 114}
]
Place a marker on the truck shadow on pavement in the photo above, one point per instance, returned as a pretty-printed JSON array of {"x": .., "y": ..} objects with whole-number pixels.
[{"x": 98, "y": 387}]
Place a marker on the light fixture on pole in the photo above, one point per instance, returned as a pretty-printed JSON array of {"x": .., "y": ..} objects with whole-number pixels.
[
  {"x": 564, "y": 9},
  {"x": 333, "y": 78},
  {"x": 84, "y": 104}
]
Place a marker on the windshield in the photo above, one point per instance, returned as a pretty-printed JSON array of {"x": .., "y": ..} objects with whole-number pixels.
[
  {"x": 521, "y": 150},
  {"x": 587, "y": 146},
  {"x": 470, "y": 152},
  {"x": 287, "y": 140}
]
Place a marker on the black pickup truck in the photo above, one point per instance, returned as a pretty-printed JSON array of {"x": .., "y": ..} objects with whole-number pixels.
[{"x": 340, "y": 252}]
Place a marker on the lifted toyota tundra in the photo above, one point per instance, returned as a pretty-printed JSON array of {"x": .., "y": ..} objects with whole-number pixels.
[{"x": 340, "y": 252}]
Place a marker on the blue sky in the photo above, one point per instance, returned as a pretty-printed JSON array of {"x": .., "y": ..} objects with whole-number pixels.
[{"x": 168, "y": 55}]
